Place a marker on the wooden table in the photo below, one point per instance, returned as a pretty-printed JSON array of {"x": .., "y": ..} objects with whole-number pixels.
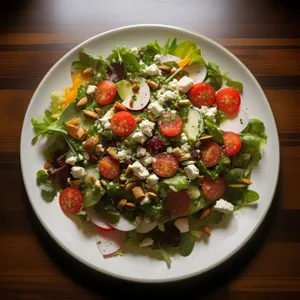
[{"x": 265, "y": 35}]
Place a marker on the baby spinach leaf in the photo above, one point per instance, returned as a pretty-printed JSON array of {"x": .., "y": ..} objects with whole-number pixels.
[
  {"x": 214, "y": 131},
  {"x": 48, "y": 189},
  {"x": 251, "y": 196},
  {"x": 186, "y": 244}
]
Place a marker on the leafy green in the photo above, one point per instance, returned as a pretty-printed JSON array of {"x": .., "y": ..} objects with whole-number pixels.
[
  {"x": 210, "y": 220},
  {"x": 251, "y": 196},
  {"x": 214, "y": 131},
  {"x": 186, "y": 244},
  {"x": 92, "y": 195},
  {"x": 242, "y": 197},
  {"x": 48, "y": 189},
  {"x": 154, "y": 209},
  {"x": 108, "y": 212},
  {"x": 162, "y": 254},
  {"x": 149, "y": 51},
  {"x": 56, "y": 101},
  {"x": 214, "y": 77},
  {"x": 234, "y": 174},
  {"x": 220, "y": 117},
  {"x": 78, "y": 65},
  {"x": 169, "y": 47},
  {"x": 93, "y": 61},
  {"x": 179, "y": 182},
  {"x": 189, "y": 49}
]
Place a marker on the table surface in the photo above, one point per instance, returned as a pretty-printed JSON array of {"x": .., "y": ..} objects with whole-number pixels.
[{"x": 264, "y": 35}]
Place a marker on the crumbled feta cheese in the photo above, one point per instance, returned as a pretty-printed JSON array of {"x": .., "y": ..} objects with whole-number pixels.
[
  {"x": 185, "y": 147},
  {"x": 139, "y": 137},
  {"x": 71, "y": 160},
  {"x": 184, "y": 84},
  {"x": 152, "y": 180},
  {"x": 191, "y": 171},
  {"x": 140, "y": 152},
  {"x": 98, "y": 184},
  {"x": 173, "y": 84},
  {"x": 156, "y": 109},
  {"x": 147, "y": 242},
  {"x": 78, "y": 172},
  {"x": 80, "y": 157},
  {"x": 124, "y": 155},
  {"x": 153, "y": 70},
  {"x": 91, "y": 89},
  {"x": 146, "y": 160},
  {"x": 172, "y": 188},
  {"x": 182, "y": 224},
  {"x": 209, "y": 112},
  {"x": 139, "y": 170},
  {"x": 138, "y": 220},
  {"x": 146, "y": 127},
  {"x": 146, "y": 200},
  {"x": 157, "y": 58},
  {"x": 104, "y": 123},
  {"x": 184, "y": 138},
  {"x": 168, "y": 95},
  {"x": 224, "y": 206},
  {"x": 169, "y": 150},
  {"x": 134, "y": 51},
  {"x": 86, "y": 156}
]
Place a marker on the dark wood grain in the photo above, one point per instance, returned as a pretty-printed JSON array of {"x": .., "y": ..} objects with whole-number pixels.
[{"x": 264, "y": 35}]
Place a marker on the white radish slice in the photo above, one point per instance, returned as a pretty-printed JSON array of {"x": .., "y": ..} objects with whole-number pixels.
[
  {"x": 196, "y": 72},
  {"x": 123, "y": 225},
  {"x": 146, "y": 227},
  {"x": 168, "y": 58},
  {"x": 98, "y": 221},
  {"x": 236, "y": 123},
  {"x": 109, "y": 242},
  {"x": 142, "y": 97}
]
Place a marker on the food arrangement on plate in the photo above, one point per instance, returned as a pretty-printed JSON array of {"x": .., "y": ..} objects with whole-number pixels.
[{"x": 152, "y": 145}]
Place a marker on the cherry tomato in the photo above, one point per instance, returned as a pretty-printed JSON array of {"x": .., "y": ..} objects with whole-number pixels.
[
  {"x": 71, "y": 200},
  {"x": 228, "y": 100},
  {"x": 202, "y": 93},
  {"x": 170, "y": 124},
  {"x": 165, "y": 165},
  {"x": 105, "y": 92},
  {"x": 109, "y": 167},
  {"x": 213, "y": 189},
  {"x": 232, "y": 143},
  {"x": 123, "y": 123},
  {"x": 211, "y": 153},
  {"x": 178, "y": 203}
]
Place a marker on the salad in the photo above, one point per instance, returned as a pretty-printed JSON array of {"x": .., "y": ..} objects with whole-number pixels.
[{"x": 152, "y": 145}]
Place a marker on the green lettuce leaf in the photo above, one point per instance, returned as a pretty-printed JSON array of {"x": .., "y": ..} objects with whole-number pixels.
[
  {"x": 90, "y": 60},
  {"x": 48, "y": 189},
  {"x": 149, "y": 51},
  {"x": 186, "y": 244},
  {"x": 189, "y": 49}
]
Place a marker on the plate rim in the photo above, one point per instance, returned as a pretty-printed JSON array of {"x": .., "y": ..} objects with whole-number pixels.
[{"x": 134, "y": 279}]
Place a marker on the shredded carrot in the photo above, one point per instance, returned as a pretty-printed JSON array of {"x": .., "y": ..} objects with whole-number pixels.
[{"x": 184, "y": 62}]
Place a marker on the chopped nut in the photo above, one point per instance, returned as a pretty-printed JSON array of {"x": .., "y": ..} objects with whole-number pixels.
[
  {"x": 200, "y": 178},
  {"x": 130, "y": 204},
  {"x": 136, "y": 88},
  {"x": 75, "y": 182},
  {"x": 184, "y": 156},
  {"x": 184, "y": 102},
  {"x": 93, "y": 179},
  {"x": 151, "y": 117},
  {"x": 122, "y": 185},
  {"x": 165, "y": 68},
  {"x": 237, "y": 185},
  {"x": 73, "y": 121},
  {"x": 90, "y": 144},
  {"x": 99, "y": 111},
  {"x": 128, "y": 171},
  {"x": 206, "y": 230},
  {"x": 173, "y": 70},
  {"x": 99, "y": 148},
  {"x": 123, "y": 178},
  {"x": 127, "y": 143},
  {"x": 47, "y": 165},
  {"x": 197, "y": 144},
  {"x": 130, "y": 186},
  {"x": 103, "y": 182},
  {"x": 121, "y": 203},
  {"x": 112, "y": 152},
  {"x": 205, "y": 214},
  {"x": 138, "y": 193},
  {"x": 88, "y": 72},
  {"x": 119, "y": 106},
  {"x": 205, "y": 138},
  {"x": 138, "y": 119},
  {"x": 176, "y": 151},
  {"x": 131, "y": 179},
  {"x": 82, "y": 102},
  {"x": 175, "y": 106},
  {"x": 152, "y": 84},
  {"x": 131, "y": 103},
  {"x": 151, "y": 194},
  {"x": 81, "y": 133},
  {"x": 247, "y": 181},
  {"x": 91, "y": 114},
  {"x": 75, "y": 132}
]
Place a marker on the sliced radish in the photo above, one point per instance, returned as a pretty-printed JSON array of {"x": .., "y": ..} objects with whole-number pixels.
[
  {"x": 109, "y": 242},
  {"x": 168, "y": 58},
  {"x": 123, "y": 225},
  {"x": 98, "y": 221},
  {"x": 146, "y": 227},
  {"x": 142, "y": 97},
  {"x": 196, "y": 72},
  {"x": 236, "y": 123}
]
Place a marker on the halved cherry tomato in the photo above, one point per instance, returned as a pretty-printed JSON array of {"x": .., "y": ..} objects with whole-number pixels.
[
  {"x": 232, "y": 143},
  {"x": 228, "y": 100},
  {"x": 123, "y": 123},
  {"x": 109, "y": 167},
  {"x": 105, "y": 92},
  {"x": 71, "y": 200},
  {"x": 202, "y": 93},
  {"x": 165, "y": 165},
  {"x": 211, "y": 153},
  {"x": 170, "y": 124},
  {"x": 178, "y": 203},
  {"x": 213, "y": 190}
]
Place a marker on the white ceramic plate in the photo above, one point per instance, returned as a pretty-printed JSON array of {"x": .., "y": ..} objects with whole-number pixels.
[{"x": 224, "y": 242}]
